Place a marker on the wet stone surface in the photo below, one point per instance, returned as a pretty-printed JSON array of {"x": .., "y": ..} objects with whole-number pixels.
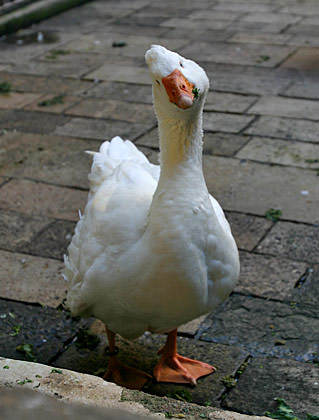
[
  {"x": 45, "y": 329},
  {"x": 142, "y": 354},
  {"x": 292, "y": 240},
  {"x": 268, "y": 378},
  {"x": 268, "y": 328},
  {"x": 52, "y": 242}
]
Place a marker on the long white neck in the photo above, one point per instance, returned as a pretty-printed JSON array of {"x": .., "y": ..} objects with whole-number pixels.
[{"x": 180, "y": 153}]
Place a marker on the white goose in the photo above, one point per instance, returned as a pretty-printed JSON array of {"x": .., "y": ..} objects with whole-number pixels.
[{"x": 153, "y": 249}]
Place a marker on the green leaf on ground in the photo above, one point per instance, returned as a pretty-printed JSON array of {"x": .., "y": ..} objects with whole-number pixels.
[
  {"x": 5, "y": 87},
  {"x": 27, "y": 349},
  {"x": 25, "y": 381},
  {"x": 59, "y": 99},
  {"x": 54, "y": 370},
  {"x": 54, "y": 54},
  {"x": 273, "y": 214},
  {"x": 285, "y": 412},
  {"x": 16, "y": 330}
]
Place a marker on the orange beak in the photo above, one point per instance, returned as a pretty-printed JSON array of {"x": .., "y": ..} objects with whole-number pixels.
[{"x": 179, "y": 89}]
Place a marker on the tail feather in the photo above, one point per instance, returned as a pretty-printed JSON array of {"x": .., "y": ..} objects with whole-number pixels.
[{"x": 110, "y": 155}]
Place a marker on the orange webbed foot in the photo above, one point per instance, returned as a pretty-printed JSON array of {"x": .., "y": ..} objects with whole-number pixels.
[
  {"x": 173, "y": 367},
  {"x": 182, "y": 370},
  {"x": 124, "y": 375}
]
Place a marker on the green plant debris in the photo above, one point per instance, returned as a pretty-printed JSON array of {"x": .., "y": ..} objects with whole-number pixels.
[
  {"x": 54, "y": 54},
  {"x": 195, "y": 92},
  {"x": 312, "y": 160},
  {"x": 59, "y": 99},
  {"x": 242, "y": 368},
  {"x": 119, "y": 44},
  {"x": 168, "y": 415},
  {"x": 229, "y": 381},
  {"x": 25, "y": 381},
  {"x": 207, "y": 403},
  {"x": 203, "y": 416},
  {"x": 38, "y": 376},
  {"x": 182, "y": 395},
  {"x": 284, "y": 412},
  {"x": 263, "y": 58},
  {"x": 11, "y": 315},
  {"x": 5, "y": 87},
  {"x": 6, "y": 367},
  {"x": 273, "y": 214},
  {"x": 87, "y": 340},
  {"x": 27, "y": 349},
  {"x": 54, "y": 370},
  {"x": 16, "y": 329}
]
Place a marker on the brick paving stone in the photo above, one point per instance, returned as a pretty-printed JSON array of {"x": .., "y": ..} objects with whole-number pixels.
[
  {"x": 42, "y": 279},
  {"x": 41, "y": 84},
  {"x": 260, "y": 38},
  {"x": 304, "y": 155},
  {"x": 245, "y": 6},
  {"x": 266, "y": 379},
  {"x": 310, "y": 40},
  {"x": 248, "y": 230},
  {"x": 102, "y": 129},
  {"x": 228, "y": 123},
  {"x": 292, "y": 240},
  {"x": 46, "y": 329},
  {"x": 214, "y": 143},
  {"x": 300, "y": 29},
  {"x": 245, "y": 54},
  {"x": 308, "y": 287},
  {"x": 196, "y": 24},
  {"x": 53, "y": 103},
  {"x": 15, "y": 100},
  {"x": 16, "y": 229},
  {"x": 122, "y": 91},
  {"x": 142, "y": 354},
  {"x": 200, "y": 34},
  {"x": 117, "y": 28},
  {"x": 38, "y": 199},
  {"x": 283, "y": 18},
  {"x": 76, "y": 66},
  {"x": 254, "y": 80},
  {"x": 121, "y": 73},
  {"x": 236, "y": 184},
  {"x": 285, "y": 128},
  {"x": 113, "y": 109},
  {"x": 136, "y": 45},
  {"x": 30, "y": 121},
  {"x": 216, "y": 14},
  {"x": 260, "y": 27},
  {"x": 53, "y": 159},
  {"x": 223, "y": 144},
  {"x": 269, "y": 277},
  {"x": 304, "y": 59},
  {"x": 266, "y": 328},
  {"x": 286, "y": 107},
  {"x": 228, "y": 102},
  {"x": 306, "y": 88},
  {"x": 51, "y": 242}
]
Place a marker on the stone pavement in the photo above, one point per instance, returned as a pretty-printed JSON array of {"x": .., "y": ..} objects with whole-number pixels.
[{"x": 87, "y": 82}]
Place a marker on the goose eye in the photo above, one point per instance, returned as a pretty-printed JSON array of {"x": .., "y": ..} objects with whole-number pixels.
[
  {"x": 181, "y": 64},
  {"x": 158, "y": 82}
]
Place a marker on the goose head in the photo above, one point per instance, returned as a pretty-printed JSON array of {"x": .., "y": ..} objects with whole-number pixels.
[{"x": 179, "y": 85}]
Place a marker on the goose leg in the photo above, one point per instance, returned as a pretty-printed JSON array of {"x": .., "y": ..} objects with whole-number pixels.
[
  {"x": 120, "y": 373},
  {"x": 175, "y": 368}
]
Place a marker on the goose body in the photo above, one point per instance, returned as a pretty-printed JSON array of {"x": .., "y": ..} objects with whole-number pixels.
[{"x": 153, "y": 249}]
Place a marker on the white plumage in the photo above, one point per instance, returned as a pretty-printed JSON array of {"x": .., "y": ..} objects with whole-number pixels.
[{"x": 153, "y": 249}]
